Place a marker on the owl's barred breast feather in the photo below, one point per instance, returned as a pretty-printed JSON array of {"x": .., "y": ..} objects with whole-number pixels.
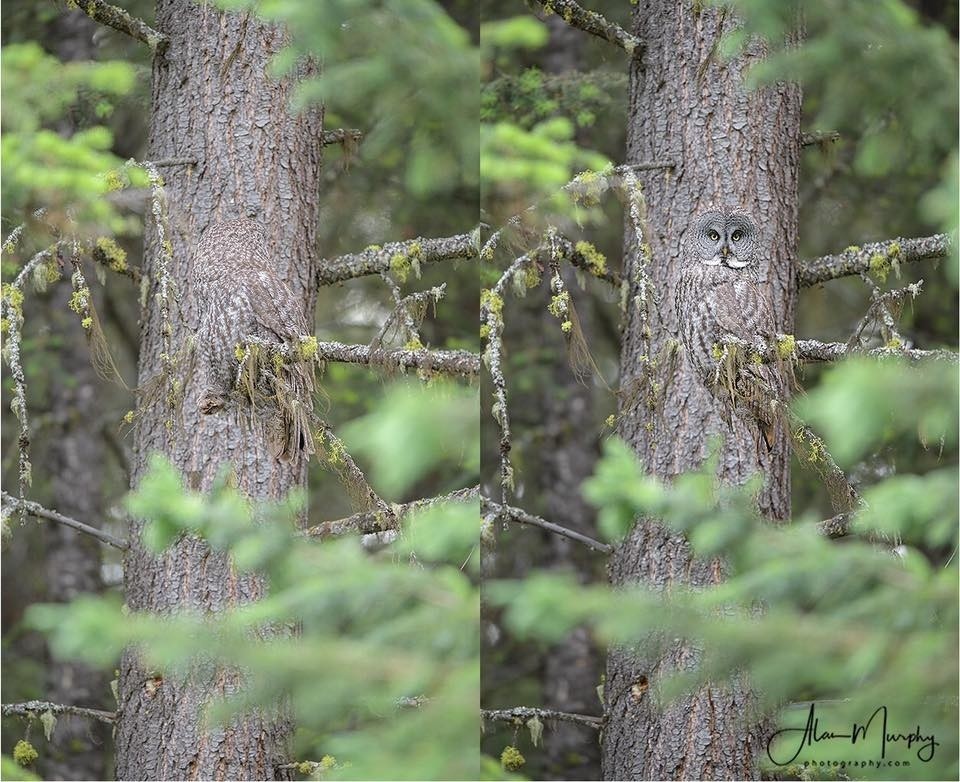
[{"x": 240, "y": 296}]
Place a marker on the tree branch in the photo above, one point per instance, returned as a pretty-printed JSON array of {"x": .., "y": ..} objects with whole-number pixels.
[
  {"x": 876, "y": 257},
  {"x": 37, "y": 510},
  {"x": 462, "y": 363},
  {"x": 520, "y": 714},
  {"x": 340, "y": 135},
  {"x": 36, "y": 708},
  {"x": 818, "y": 137},
  {"x": 522, "y": 517},
  {"x": 370, "y": 522},
  {"x": 396, "y": 256},
  {"x": 118, "y": 19},
  {"x": 593, "y": 23},
  {"x": 811, "y": 350}
]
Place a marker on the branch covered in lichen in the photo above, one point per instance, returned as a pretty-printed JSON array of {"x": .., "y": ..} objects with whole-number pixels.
[
  {"x": 118, "y": 19},
  {"x": 818, "y": 137},
  {"x": 786, "y": 346},
  {"x": 876, "y": 259},
  {"x": 518, "y": 515},
  {"x": 591, "y": 22},
  {"x": 38, "y": 511},
  {"x": 335, "y": 456},
  {"x": 397, "y": 257},
  {"x": 341, "y": 136},
  {"x": 37, "y": 708},
  {"x": 371, "y": 522},
  {"x": 519, "y": 715},
  {"x": 461, "y": 363}
]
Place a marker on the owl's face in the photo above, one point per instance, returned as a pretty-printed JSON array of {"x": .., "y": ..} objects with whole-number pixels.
[{"x": 724, "y": 239}]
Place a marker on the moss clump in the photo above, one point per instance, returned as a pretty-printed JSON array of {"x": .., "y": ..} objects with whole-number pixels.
[
  {"x": 13, "y": 296},
  {"x": 491, "y": 301},
  {"x": 786, "y": 346},
  {"x": 894, "y": 343},
  {"x": 79, "y": 299},
  {"x": 558, "y": 305},
  {"x": 716, "y": 351},
  {"x": 853, "y": 248},
  {"x": 566, "y": 326},
  {"x": 611, "y": 421},
  {"x": 372, "y": 248},
  {"x": 24, "y": 754},
  {"x": 596, "y": 261},
  {"x": 511, "y": 759},
  {"x": 87, "y": 323},
  {"x": 128, "y": 417},
  {"x": 400, "y": 266},
  {"x": 413, "y": 344},
  {"x": 484, "y": 330},
  {"x": 879, "y": 266},
  {"x": 113, "y": 181},
  {"x": 756, "y": 358},
  {"x": 415, "y": 251},
  {"x": 893, "y": 251},
  {"x": 305, "y": 767},
  {"x": 327, "y": 762},
  {"x": 308, "y": 347},
  {"x": 109, "y": 253},
  {"x": 4, "y": 326},
  {"x": 239, "y": 352},
  {"x": 531, "y": 276}
]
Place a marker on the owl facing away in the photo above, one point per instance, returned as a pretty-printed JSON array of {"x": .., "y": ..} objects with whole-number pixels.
[
  {"x": 719, "y": 295},
  {"x": 239, "y": 296}
]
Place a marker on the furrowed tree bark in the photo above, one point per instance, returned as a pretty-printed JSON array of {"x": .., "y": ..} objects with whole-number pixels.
[
  {"x": 730, "y": 147},
  {"x": 213, "y": 101}
]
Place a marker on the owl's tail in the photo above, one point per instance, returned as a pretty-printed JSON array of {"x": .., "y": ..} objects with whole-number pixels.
[{"x": 290, "y": 434}]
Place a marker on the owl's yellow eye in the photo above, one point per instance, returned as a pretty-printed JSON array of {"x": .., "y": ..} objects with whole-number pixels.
[
  {"x": 737, "y": 236},
  {"x": 713, "y": 236}
]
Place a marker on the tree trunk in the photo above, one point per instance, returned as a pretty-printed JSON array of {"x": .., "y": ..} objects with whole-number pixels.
[
  {"x": 212, "y": 101},
  {"x": 729, "y": 146}
]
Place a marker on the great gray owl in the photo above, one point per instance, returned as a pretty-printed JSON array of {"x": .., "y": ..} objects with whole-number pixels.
[
  {"x": 239, "y": 295},
  {"x": 719, "y": 295}
]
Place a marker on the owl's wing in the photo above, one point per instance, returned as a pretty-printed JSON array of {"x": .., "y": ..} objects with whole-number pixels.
[
  {"x": 743, "y": 310},
  {"x": 275, "y": 308}
]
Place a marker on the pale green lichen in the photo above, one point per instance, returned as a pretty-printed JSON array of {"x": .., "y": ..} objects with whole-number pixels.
[
  {"x": 484, "y": 331},
  {"x": 128, "y": 417},
  {"x": 716, "y": 351},
  {"x": 853, "y": 248},
  {"x": 24, "y": 753},
  {"x": 413, "y": 343},
  {"x": 566, "y": 326},
  {"x": 108, "y": 252},
  {"x": 879, "y": 266},
  {"x": 79, "y": 300},
  {"x": 511, "y": 759},
  {"x": 558, "y": 304},
  {"x": 491, "y": 301},
  {"x": 87, "y": 323},
  {"x": 400, "y": 266},
  {"x": 113, "y": 181},
  {"x": 13, "y": 296},
  {"x": 786, "y": 346},
  {"x": 596, "y": 261},
  {"x": 308, "y": 347}
]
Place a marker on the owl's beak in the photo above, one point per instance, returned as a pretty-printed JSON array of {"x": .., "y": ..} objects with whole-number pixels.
[{"x": 725, "y": 251}]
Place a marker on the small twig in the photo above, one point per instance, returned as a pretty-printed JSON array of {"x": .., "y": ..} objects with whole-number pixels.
[
  {"x": 118, "y": 19},
  {"x": 593, "y": 23},
  {"x": 522, "y": 517},
  {"x": 819, "y": 137},
  {"x": 340, "y": 135},
  {"x": 461, "y": 363},
  {"x": 378, "y": 260},
  {"x": 368, "y": 523},
  {"x": 36, "y": 708},
  {"x": 40, "y": 512},
  {"x": 877, "y": 257},
  {"x": 520, "y": 715}
]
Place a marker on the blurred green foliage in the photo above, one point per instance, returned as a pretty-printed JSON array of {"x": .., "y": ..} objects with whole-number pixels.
[
  {"x": 805, "y": 618},
  {"x": 885, "y": 78},
  {"x": 405, "y": 65},
  {"x": 44, "y": 167},
  {"x": 377, "y": 628}
]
